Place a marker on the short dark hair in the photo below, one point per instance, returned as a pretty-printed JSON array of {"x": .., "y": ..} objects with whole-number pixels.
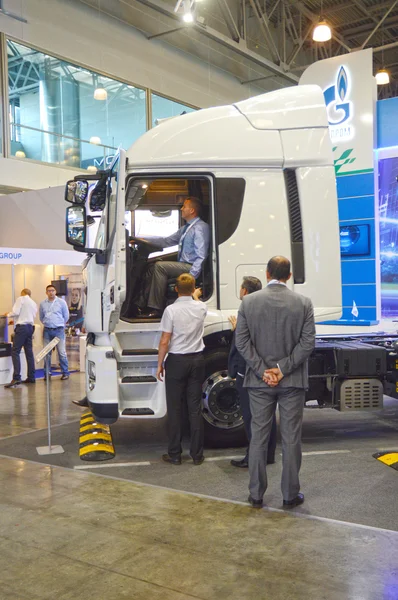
[
  {"x": 278, "y": 267},
  {"x": 50, "y": 286},
  {"x": 251, "y": 284},
  {"x": 185, "y": 283},
  {"x": 196, "y": 204}
]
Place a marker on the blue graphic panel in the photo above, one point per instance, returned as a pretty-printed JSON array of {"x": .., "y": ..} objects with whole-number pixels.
[
  {"x": 362, "y": 295},
  {"x": 358, "y": 271},
  {"x": 351, "y": 186},
  {"x": 356, "y": 208}
]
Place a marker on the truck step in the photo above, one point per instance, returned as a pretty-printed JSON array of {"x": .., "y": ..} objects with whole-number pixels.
[
  {"x": 139, "y": 379},
  {"x": 129, "y": 412},
  {"x": 140, "y": 352}
]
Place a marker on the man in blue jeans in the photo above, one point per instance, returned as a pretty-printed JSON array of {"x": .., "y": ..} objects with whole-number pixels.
[
  {"x": 54, "y": 314},
  {"x": 24, "y": 312}
]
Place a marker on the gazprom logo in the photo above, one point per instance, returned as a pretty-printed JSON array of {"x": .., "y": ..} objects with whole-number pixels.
[{"x": 339, "y": 107}]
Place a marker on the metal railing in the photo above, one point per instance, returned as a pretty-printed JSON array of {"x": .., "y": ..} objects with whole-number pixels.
[{"x": 57, "y": 148}]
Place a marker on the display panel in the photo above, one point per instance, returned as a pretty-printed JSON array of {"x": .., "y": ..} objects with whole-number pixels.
[
  {"x": 61, "y": 286},
  {"x": 355, "y": 240},
  {"x": 388, "y": 219}
]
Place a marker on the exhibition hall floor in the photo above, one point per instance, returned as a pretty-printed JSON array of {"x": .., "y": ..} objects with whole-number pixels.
[{"x": 145, "y": 529}]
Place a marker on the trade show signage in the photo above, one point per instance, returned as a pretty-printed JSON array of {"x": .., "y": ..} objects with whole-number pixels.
[
  {"x": 33, "y": 256},
  {"x": 349, "y": 89}
]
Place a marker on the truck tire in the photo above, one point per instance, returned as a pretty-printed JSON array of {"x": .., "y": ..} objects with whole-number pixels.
[{"x": 223, "y": 423}]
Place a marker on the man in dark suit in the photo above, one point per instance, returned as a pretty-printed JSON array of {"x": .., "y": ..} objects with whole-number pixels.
[
  {"x": 237, "y": 370},
  {"x": 275, "y": 334}
]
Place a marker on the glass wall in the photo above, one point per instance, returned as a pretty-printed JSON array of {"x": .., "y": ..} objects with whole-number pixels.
[
  {"x": 163, "y": 108},
  {"x": 68, "y": 115},
  {"x": 64, "y": 114}
]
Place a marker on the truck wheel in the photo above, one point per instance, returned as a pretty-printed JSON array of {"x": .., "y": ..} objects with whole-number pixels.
[{"x": 223, "y": 422}]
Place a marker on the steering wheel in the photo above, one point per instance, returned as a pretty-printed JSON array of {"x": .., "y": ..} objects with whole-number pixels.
[{"x": 141, "y": 242}]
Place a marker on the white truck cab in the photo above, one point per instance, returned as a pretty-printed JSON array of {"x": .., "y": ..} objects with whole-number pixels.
[{"x": 263, "y": 170}]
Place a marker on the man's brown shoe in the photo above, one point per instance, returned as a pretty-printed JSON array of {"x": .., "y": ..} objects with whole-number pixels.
[{"x": 171, "y": 460}]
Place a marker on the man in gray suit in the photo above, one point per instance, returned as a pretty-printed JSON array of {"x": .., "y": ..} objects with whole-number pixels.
[{"x": 275, "y": 334}]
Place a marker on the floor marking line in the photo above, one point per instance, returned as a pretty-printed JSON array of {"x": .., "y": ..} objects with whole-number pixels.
[
  {"x": 215, "y": 458},
  {"x": 319, "y": 452},
  {"x": 226, "y": 500},
  {"x": 107, "y": 465},
  {"x": 7, "y": 437}
]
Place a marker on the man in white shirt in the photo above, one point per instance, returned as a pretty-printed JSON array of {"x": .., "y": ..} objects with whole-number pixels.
[
  {"x": 182, "y": 329},
  {"x": 24, "y": 312}
]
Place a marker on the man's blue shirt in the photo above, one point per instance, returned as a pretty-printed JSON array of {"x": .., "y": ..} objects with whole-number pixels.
[
  {"x": 195, "y": 245},
  {"x": 54, "y": 314}
]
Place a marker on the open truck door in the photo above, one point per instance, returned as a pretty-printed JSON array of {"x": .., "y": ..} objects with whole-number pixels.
[
  {"x": 115, "y": 279},
  {"x": 105, "y": 268}
]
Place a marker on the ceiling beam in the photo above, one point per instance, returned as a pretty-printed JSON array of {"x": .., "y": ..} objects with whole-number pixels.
[
  {"x": 238, "y": 48},
  {"x": 229, "y": 20},
  {"x": 263, "y": 23},
  {"x": 379, "y": 24}
]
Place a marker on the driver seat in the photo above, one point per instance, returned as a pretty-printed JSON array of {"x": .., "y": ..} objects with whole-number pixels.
[{"x": 202, "y": 281}]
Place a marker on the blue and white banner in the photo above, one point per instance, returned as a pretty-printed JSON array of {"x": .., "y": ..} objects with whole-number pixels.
[
  {"x": 34, "y": 256},
  {"x": 350, "y": 95},
  {"x": 349, "y": 89}
]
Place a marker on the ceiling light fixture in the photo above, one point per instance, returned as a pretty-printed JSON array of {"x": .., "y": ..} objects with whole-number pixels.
[
  {"x": 100, "y": 93},
  {"x": 20, "y": 154},
  {"x": 322, "y": 32},
  {"x": 91, "y": 169},
  {"x": 382, "y": 77},
  {"x": 95, "y": 140},
  {"x": 188, "y": 15}
]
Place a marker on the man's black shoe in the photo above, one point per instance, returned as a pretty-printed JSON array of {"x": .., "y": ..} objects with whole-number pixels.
[
  {"x": 241, "y": 464},
  {"x": 169, "y": 459},
  {"x": 255, "y": 503},
  {"x": 198, "y": 461},
  {"x": 13, "y": 383},
  {"x": 153, "y": 314},
  {"x": 299, "y": 499},
  {"x": 83, "y": 402},
  {"x": 29, "y": 381},
  {"x": 64, "y": 376}
]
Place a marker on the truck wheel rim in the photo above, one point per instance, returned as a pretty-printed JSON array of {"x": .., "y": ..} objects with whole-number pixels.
[{"x": 221, "y": 401}]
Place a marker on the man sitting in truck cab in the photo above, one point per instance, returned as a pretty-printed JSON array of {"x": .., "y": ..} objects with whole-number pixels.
[{"x": 193, "y": 247}]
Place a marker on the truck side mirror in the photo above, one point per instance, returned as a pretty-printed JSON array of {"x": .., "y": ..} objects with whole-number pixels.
[
  {"x": 76, "y": 191},
  {"x": 76, "y": 224}
]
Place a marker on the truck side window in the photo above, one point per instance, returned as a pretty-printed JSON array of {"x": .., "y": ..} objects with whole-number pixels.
[{"x": 229, "y": 200}]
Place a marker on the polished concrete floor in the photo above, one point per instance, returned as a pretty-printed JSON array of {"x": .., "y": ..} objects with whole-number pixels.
[{"x": 67, "y": 534}]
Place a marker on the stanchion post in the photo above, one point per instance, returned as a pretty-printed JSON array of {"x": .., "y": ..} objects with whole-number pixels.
[{"x": 46, "y": 354}]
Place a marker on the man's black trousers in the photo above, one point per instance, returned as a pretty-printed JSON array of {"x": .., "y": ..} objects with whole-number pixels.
[
  {"x": 23, "y": 339},
  {"x": 184, "y": 379}
]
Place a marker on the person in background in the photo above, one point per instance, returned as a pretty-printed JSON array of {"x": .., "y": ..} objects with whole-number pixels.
[
  {"x": 237, "y": 370},
  {"x": 24, "y": 312},
  {"x": 275, "y": 334},
  {"x": 182, "y": 329},
  {"x": 76, "y": 308},
  {"x": 54, "y": 315}
]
